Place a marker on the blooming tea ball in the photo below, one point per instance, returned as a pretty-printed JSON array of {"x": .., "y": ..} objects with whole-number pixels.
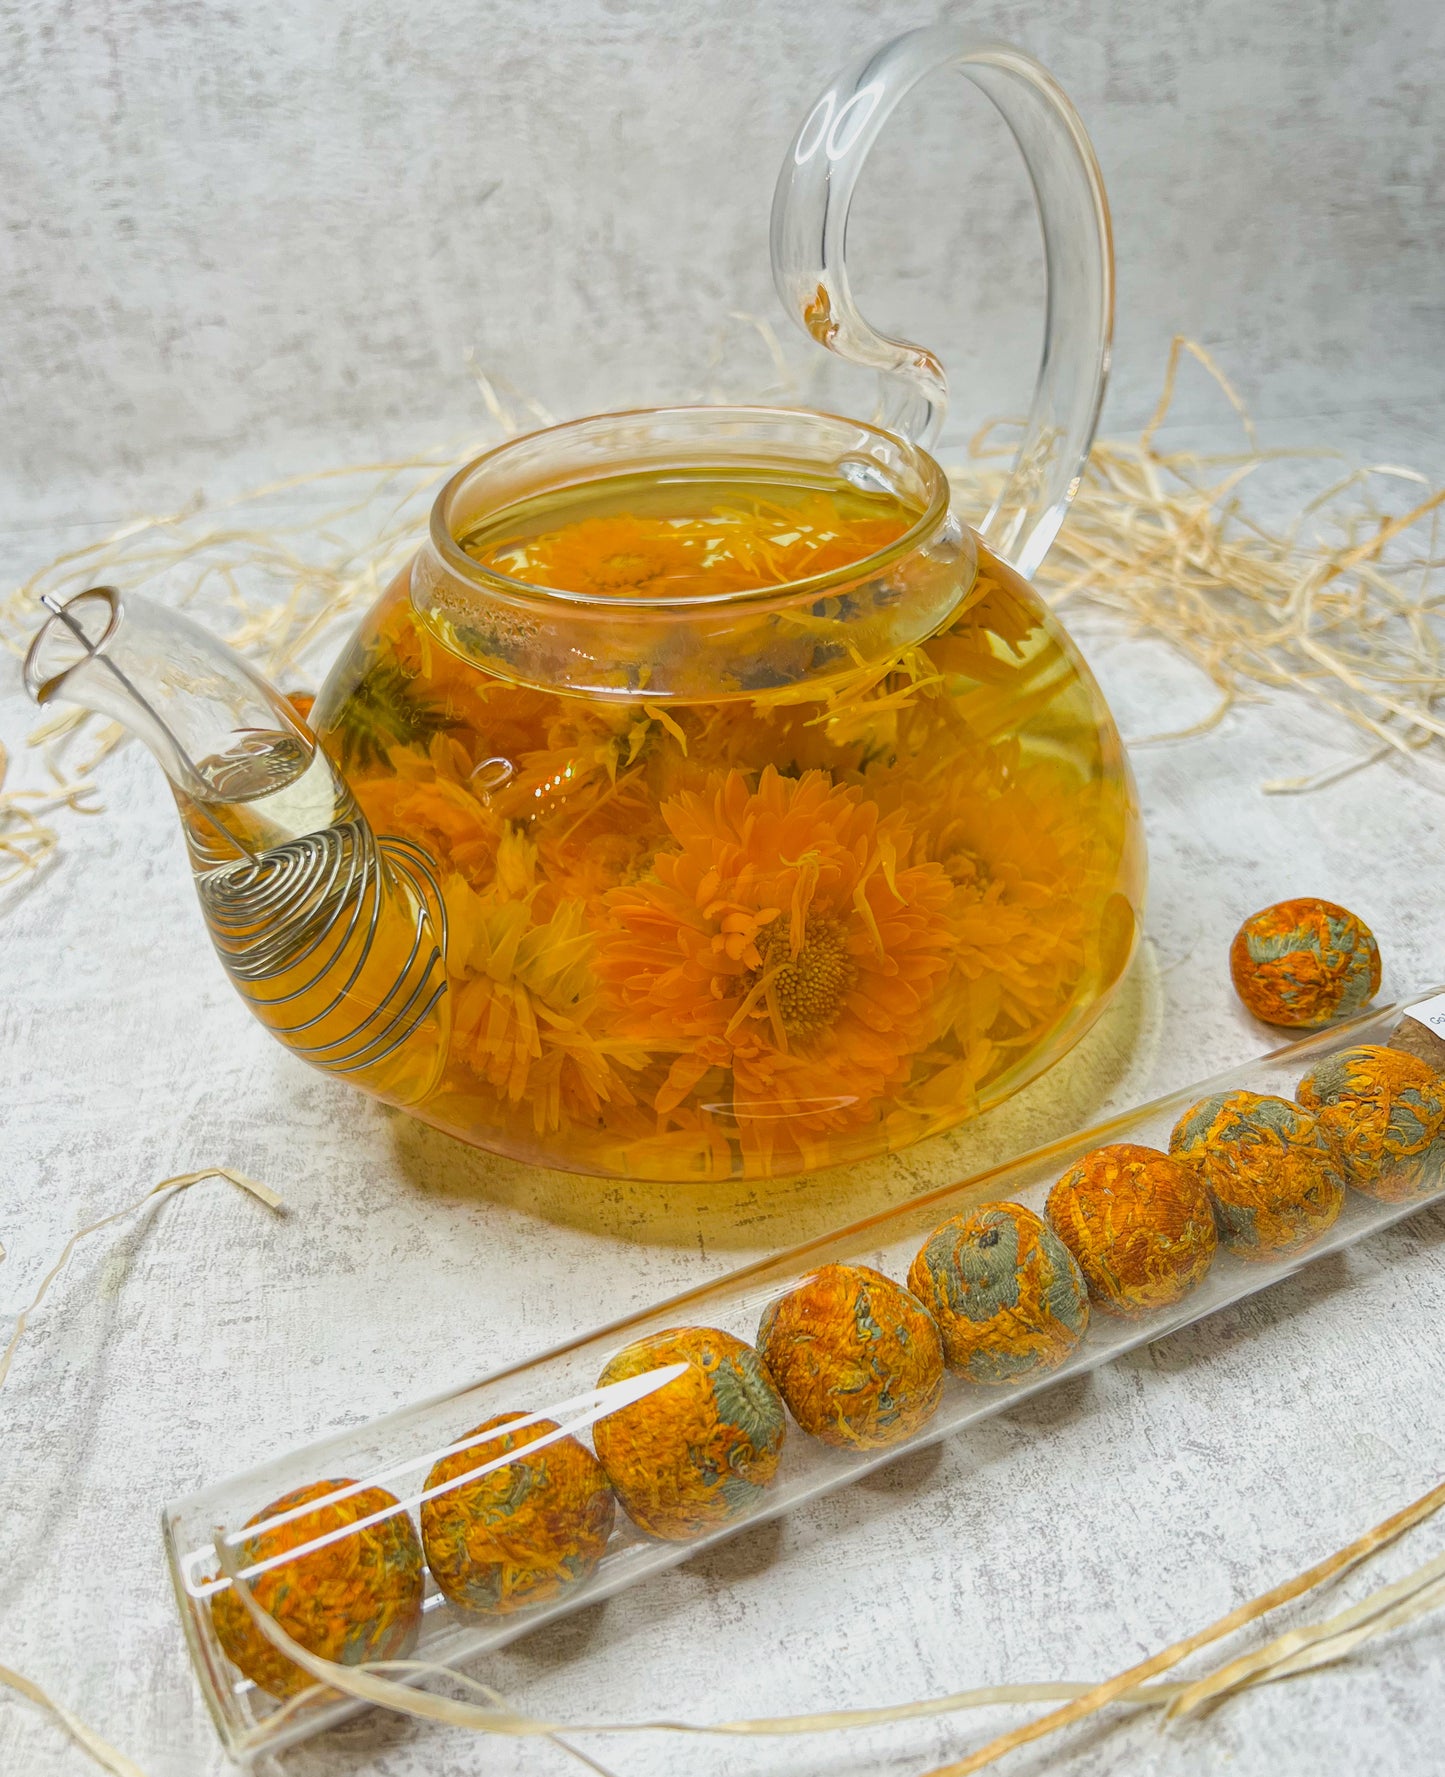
[
  {"x": 1273, "y": 1174},
  {"x": 1384, "y": 1111},
  {"x": 525, "y": 1530},
  {"x": 1139, "y": 1223},
  {"x": 857, "y": 1359},
  {"x": 1302, "y": 963},
  {"x": 356, "y": 1598},
  {"x": 1005, "y": 1291},
  {"x": 699, "y": 1450}
]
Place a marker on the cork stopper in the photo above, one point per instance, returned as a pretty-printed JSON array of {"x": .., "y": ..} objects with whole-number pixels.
[{"x": 1418, "y": 1038}]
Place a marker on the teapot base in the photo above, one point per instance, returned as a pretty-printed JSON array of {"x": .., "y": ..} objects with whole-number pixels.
[{"x": 672, "y": 1164}]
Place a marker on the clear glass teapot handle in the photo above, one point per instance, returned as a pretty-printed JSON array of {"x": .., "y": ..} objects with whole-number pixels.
[{"x": 809, "y": 240}]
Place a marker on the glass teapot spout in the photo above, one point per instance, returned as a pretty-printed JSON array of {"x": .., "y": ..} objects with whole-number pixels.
[{"x": 336, "y": 940}]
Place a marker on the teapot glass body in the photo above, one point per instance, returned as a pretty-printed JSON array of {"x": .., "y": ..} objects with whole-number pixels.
[{"x": 776, "y": 821}]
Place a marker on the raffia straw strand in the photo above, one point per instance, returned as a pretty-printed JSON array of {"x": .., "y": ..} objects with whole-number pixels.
[
  {"x": 85, "y": 1737},
  {"x": 1111, "y": 1689},
  {"x": 1161, "y": 540},
  {"x": 1303, "y": 1650},
  {"x": 1299, "y": 1651},
  {"x": 359, "y": 1682},
  {"x": 180, "y": 1182},
  {"x": 772, "y": 1726},
  {"x": 366, "y": 1684},
  {"x": 104, "y": 1754},
  {"x": 1178, "y": 345}
]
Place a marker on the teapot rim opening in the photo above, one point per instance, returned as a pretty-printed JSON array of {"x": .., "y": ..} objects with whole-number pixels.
[
  {"x": 44, "y": 685},
  {"x": 443, "y": 537}
]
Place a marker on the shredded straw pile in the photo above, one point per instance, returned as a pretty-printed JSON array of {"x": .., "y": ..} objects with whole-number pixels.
[{"x": 1337, "y": 605}]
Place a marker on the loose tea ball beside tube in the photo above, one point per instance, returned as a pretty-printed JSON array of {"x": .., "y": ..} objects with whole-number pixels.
[
  {"x": 353, "y": 1599},
  {"x": 1139, "y": 1223},
  {"x": 700, "y": 1449},
  {"x": 858, "y": 1359},
  {"x": 1304, "y": 963},
  {"x": 1273, "y": 1175},
  {"x": 1384, "y": 1111},
  {"x": 1007, "y": 1293},
  {"x": 523, "y": 1530}
]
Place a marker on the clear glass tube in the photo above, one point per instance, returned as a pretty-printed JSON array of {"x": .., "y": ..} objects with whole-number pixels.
[{"x": 398, "y": 1452}]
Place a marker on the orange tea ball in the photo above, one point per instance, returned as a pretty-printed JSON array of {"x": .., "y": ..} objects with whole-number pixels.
[
  {"x": 1384, "y": 1111},
  {"x": 1139, "y": 1223},
  {"x": 523, "y": 1531},
  {"x": 1005, "y": 1290},
  {"x": 1273, "y": 1174},
  {"x": 700, "y": 1449},
  {"x": 355, "y": 1599},
  {"x": 856, "y": 1358},
  {"x": 1303, "y": 963}
]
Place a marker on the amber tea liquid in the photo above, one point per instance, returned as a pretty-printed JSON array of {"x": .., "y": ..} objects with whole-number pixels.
[
  {"x": 690, "y": 534},
  {"x": 823, "y": 912}
]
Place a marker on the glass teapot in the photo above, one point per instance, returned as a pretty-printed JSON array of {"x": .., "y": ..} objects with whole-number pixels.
[{"x": 705, "y": 798}]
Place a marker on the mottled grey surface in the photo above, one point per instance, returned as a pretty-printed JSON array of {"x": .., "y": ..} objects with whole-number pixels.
[{"x": 252, "y": 236}]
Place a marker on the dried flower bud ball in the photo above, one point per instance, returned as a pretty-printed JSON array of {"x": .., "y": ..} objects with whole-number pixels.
[
  {"x": 1273, "y": 1174},
  {"x": 354, "y": 1599},
  {"x": 1139, "y": 1223},
  {"x": 857, "y": 1359},
  {"x": 698, "y": 1450},
  {"x": 1005, "y": 1290},
  {"x": 524, "y": 1530},
  {"x": 1384, "y": 1111},
  {"x": 1303, "y": 963}
]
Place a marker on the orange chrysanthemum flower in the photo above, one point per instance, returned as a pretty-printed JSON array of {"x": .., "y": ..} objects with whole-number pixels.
[
  {"x": 431, "y": 798},
  {"x": 724, "y": 550},
  {"x": 794, "y": 734},
  {"x": 523, "y": 1018},
  {"x": 785, "y": 947},
  {"x": 586, "y": 751},
  {"x": 1026, "y": 844},
  {"x": 622, "y": 557}
]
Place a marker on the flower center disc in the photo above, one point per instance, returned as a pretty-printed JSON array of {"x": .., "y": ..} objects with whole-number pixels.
[
  {"x": 809, "y": 988},
  {"x": 628, "y": 571}
]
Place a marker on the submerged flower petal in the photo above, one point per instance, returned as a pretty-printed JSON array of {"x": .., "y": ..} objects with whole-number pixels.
[{"x": 817, "y": 1006}]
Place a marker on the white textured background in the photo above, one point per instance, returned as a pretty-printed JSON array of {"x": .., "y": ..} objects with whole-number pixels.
[
  {"x": 281, "y": 224},
  {"x": 238, "y": 238}
]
